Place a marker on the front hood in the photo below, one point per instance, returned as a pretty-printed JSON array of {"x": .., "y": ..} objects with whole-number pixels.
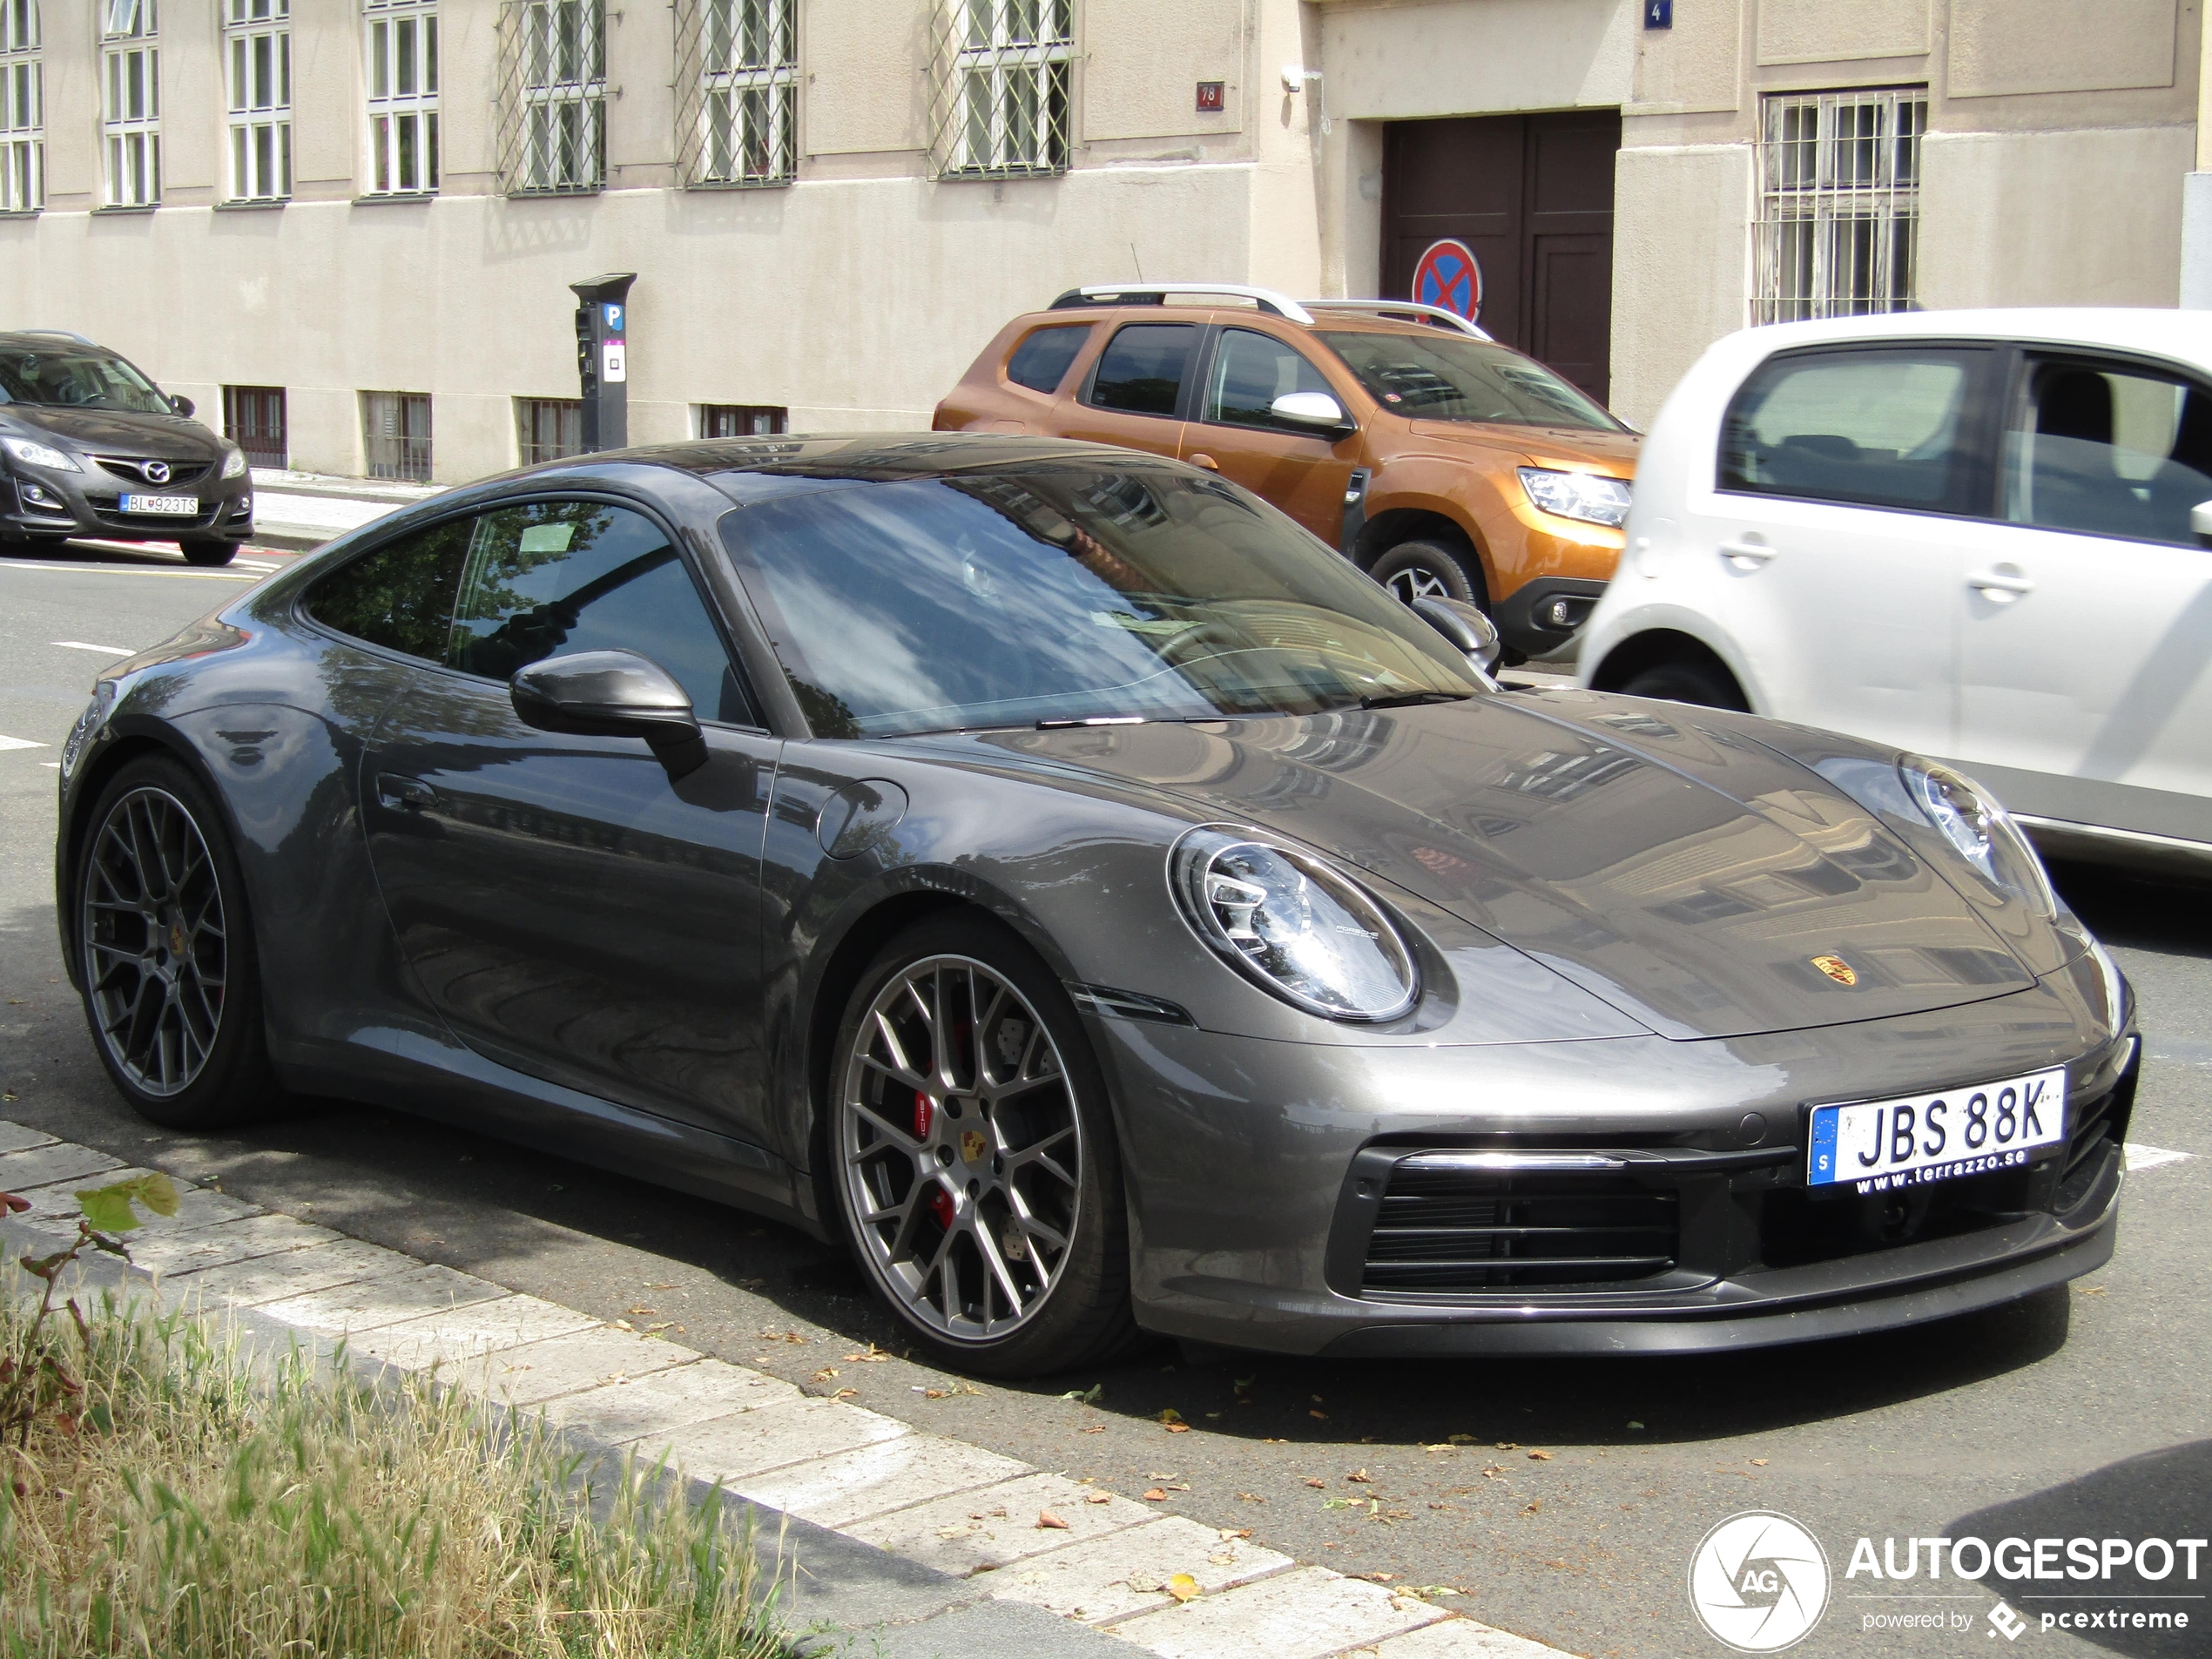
[
  {"x": 1696, "y": 881},
  {"x": 112, "y": 432},
  {"x": 1567, "y": 449}
]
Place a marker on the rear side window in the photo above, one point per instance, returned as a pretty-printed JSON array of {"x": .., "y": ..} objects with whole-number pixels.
[
  {"x": 2109, "y": 450},
  {"x": 400, "y": 597},
  {"x": 1143, "y": 367},
  {"x": 1880, "y": 428},
  {"x": 1040, "y": 362}
]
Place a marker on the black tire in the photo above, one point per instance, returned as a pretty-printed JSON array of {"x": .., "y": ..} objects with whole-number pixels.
[
  {"x": 203, "y": 552},
  {"x": 232, "y": 1080},
  {"x": 1706, "y": 683},
  {"x": 1081, "y": 1315},
  {"x": 1417, "y": 570}
]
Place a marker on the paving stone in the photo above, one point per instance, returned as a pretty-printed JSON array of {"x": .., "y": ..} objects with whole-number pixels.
[
  {"x": 292, "y": 1273},
  {"x": 1092, "y": 1580},
  {"x": 998, "y": 1525},
  {"x": 875, "y": 1480},
  {"x": 196, "y": 1206},
  {"x": 1306, "y": 1614},
  {"x": 567, "y": 1364},
  {"x": 16, "y": 1137},
  {"x": 24, "y": 1173},
  {"x": 730, "y": 1448},
  {"x": 375, "y": 1303},
  {"x": 218, "y": 1245},
  {"x": 1461, "y": 1639},
  {"x": 650, "y": 1410},
  {"x": 462, "y": 1339}
]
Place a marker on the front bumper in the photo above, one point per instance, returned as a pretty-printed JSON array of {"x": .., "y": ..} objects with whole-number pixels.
[
  {"x": 41, "y": 504},
  {"x": 1284, "y": 1255}
]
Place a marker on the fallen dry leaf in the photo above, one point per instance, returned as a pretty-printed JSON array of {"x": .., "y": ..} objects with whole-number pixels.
[
  {"x": 1509, "y": 1446},
  {"x": 1376, "y": 1578},
  {"x": 826, "y": 1373},
  {"x": 641, "y": 1312},
  {"x": 1534, "y": 1507},
  {"x": 1228, "y": 1532},
  {"x": 1227, "y": 1558},
  {"x": 1178, "y": 1428},
  {"x": 1539, "y": 1457},
  {"x": 1316, "y": 1483},
  {"x": 1362, "y": 1477},
  {"x": 1155, "y": 1495},
  {"x": 1183, "y": 1586},
  {"x": 873, "y": 1356},
  {"x": 1494, "y": 1472},
  {"x": 1047, "y": 1520},
  {"x": 1098, "y": 1497},
  {"x": 846, "y": 1393},
  {"x": 1095, "y": 1428},
  {"x": 1318, "y": 1417},
  {"x": 1759, "y": 1463},
  {"x": 933, "y": 1394}
]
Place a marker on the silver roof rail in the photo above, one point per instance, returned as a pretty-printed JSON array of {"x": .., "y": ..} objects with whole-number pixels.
[
  {"x": 1155, "y": 294},
  {"x": 1392, "y": 308}
]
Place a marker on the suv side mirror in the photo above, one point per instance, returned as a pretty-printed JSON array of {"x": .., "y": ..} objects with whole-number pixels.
[
  {"x": 1316, "y": 411},
  {"x": 612, "y": 694},
  {"x": 1472, "y": 633},
  {"x": 183, "y": 406},
  {"x": 2200, "y": 523}
]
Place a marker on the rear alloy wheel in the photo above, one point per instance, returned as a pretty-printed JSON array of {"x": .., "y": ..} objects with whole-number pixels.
[
  {"x": 1429, "y": 570},
  {"x": 170, "y": 985},
  {"x": 1687, "y": 682},
  {"x": 209, "y": 552},
  {"x": 974, "y": 1157}
]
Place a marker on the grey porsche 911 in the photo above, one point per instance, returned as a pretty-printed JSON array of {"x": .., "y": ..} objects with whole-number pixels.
[{"x": 1055, "y": 873}]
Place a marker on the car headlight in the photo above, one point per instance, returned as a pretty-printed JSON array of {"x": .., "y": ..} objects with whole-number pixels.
[
  {"x": 40, "y": 454},
  {"x": 1576, "y": 495},
  {"x": 1969, "y": 818},
  {"x": 1293, "y": 926},
  {"x": 234, "y": 464}
]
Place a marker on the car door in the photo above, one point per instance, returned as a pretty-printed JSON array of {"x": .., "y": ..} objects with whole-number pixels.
[
  {"x": 570, "y": 909},
  {"x": 1842, "y": 476},
  {"x": 1235, "y": 432},
  {"x": 2086, "y": 658},
  {"x": 1133, "y": 393}
]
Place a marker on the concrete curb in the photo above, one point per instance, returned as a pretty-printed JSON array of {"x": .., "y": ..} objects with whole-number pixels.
[{"x": 893, "y": 1542}]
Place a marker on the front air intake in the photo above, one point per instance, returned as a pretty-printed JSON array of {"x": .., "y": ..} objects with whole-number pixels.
[{"x": 1459, "y": 1222}]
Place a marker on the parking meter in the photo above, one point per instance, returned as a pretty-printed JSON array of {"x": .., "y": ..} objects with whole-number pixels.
[{"x": 603, "y": 358}]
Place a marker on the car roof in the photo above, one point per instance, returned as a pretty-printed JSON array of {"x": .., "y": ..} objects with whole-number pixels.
[
  {"x": 1330, "y": 322},
  {"x": 28, "y": 339},
  {"x": 2161, "y": 333}
]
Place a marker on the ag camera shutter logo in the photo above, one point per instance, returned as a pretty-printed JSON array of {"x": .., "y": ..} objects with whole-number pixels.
[{"x": 1758, "y": 1583}]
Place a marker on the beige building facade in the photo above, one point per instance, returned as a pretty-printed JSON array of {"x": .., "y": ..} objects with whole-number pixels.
[{"x": 374, "y": 207}]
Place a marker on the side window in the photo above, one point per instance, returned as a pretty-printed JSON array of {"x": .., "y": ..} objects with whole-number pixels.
[
  {"x": 1250, "y": 370},
  {"x": 400, "y": 597},
  {"x": 1873, "y": 427},
  {"x": 1142, "y": 369},
  {"x": 552, "y": 578},
  {"x": 2109, "y": 451},
  {"x": 1040, "y": 362}
]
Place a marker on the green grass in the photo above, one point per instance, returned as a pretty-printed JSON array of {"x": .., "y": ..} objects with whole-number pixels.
[{"x": 194, "y": 1507}]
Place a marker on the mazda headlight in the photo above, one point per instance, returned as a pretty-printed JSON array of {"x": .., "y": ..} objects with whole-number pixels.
[
  {"x": 1969, "y": 818},
  {"x": 1293, "y": 926},
  {"x": 1577, "y": 495},
  {"x": 234, "y": 464},
  {"x": 40, "y": 454}
]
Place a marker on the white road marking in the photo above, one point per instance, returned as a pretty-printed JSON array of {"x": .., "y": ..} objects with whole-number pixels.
[
  {"x": 134, "y": 570},
  {"x": 85, "y": 645},
  {"x": 2149, "y": 1157},
  {"x": 23, "y": 743},
  {"x": 255, "y": 564}
]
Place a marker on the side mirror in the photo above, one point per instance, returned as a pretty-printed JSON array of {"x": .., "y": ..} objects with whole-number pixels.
[
  {"x": 1472, "y": 633},
  {"x": 183, "y": 406},
  {"x": 1316, "y": 411},
  {"x": 2200, "y": 523},
  {"x": 612, "y": 694}
]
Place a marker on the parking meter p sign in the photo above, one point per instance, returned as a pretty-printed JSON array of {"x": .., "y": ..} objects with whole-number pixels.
[{"x": 1449, "y": 276}]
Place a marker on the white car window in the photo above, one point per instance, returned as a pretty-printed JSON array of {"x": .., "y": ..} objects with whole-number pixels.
[
  {"x": 2109, "y": 451},
  {"x": 1878, "y": 427}
]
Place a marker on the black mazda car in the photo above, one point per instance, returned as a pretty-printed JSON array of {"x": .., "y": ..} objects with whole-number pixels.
[{"x": 90, "y": 446}]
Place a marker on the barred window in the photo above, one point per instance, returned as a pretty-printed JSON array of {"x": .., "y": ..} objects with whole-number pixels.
[
  {"x": 553, "y": 105},
  {"x": 549, "y": 428},
  {"x": 131, "y": 102},
  {"x": 743, "y": 419},
  {"x": 1839, "y": 204},
  {"x": 259, "y": 49},
  {"x": 1002, "y": 87},
  {"x": 22, "y": 114},
  {"x": 736, "y": 62},
  {"x": 401, "y": 51},
  {"x": 395, "y": 430}
]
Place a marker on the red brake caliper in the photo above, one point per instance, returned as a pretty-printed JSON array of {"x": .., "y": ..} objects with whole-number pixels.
[{"x": 941, "y": 1201}]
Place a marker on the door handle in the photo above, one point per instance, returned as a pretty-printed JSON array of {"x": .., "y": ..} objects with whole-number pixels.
[
  {"x": 1746, "y": 555},
  {"x": 1207, "y": 461},
  {"x": 399, "y": 794},
  {"x": 2003, "y": 585}
]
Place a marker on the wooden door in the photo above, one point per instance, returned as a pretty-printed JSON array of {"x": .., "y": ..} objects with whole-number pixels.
[{"x": 1532, "y": 195}]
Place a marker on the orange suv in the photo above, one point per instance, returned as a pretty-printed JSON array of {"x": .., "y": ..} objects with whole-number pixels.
[{"x": 1437, "y": 461}]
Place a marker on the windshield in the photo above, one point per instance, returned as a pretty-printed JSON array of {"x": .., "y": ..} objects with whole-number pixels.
[
  {"x": 1453, "y": 378},
  {"x": 1070, "y": 591},
  {"x": 79, "y": 379}
]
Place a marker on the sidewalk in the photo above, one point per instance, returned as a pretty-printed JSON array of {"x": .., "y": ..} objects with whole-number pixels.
[{"x": 299, "y": 510}]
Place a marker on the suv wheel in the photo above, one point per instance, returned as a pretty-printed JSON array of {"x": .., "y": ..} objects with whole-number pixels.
[
  {"x": 203, "y": 552},
  {"x": 1430, "y": 571}
]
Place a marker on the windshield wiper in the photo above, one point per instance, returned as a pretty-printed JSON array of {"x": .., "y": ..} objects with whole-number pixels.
[
  {"x": 1409, "y": 699},
  {"x": 1092, "y": 720}
]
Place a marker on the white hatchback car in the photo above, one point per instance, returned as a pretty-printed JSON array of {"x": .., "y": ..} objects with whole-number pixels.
[{"x": 1977, "y": 535}]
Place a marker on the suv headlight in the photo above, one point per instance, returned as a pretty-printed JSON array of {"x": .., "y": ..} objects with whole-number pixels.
[
  {"x": 234, "y": 464},
  {"x": 1293, "y": 926},
  {"x": 1969, "y": 818},
  {"x": 1576, "y": 495},
  {"x": 40, "y": 454}
]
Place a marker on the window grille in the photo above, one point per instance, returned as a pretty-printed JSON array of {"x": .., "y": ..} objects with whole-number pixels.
[
  {"x": 1839, "y": 204},
  {"x": 22, "y": 114},
  {"x": 396, "y": 429},
  {"x": 549, "y": 428},
  {"x": 743, "y": 419},
  {"x": 401, "y": 53},
  {"x": 999, "y": 84},
  {"x": 259, "y": 52},
  {"x": 253, "y": 420},
  {"x": 553, "y": 101},
  {"x": 131, "y": 102},
  {"x": 736, "y": 62}
]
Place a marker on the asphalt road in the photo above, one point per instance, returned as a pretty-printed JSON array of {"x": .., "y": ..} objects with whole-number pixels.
[{"x": 2083, "y": 1410}]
